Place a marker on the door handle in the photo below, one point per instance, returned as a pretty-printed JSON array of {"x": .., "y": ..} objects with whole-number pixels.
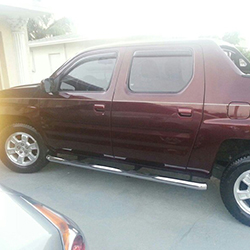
[
  {"x": 99, "y": 107},
  {"x": 185, "y": 112}
]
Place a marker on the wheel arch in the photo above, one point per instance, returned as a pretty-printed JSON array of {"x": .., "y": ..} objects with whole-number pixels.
[
  {"x": 7, "y": 120},
  {"x": 229, "y": 151}
]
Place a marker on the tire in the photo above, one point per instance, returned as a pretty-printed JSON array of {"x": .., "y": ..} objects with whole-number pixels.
[
  {"x": 235, "y": 189},
  {"x": 22, "y": 149}
]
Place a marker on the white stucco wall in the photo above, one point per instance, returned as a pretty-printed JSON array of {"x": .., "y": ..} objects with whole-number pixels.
[
  {"x": 15, "y": 66},
  {"x": 45, "y": 60},
  {"x": 9, "y": 54}
]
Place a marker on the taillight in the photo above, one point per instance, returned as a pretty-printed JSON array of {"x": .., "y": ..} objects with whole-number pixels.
[
  {"x": 57, "y": 220},
  {"x": 78, "y": 243}
]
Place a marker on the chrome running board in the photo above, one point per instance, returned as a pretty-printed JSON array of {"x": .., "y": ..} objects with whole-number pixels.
[{"x": 160, "y": 179}]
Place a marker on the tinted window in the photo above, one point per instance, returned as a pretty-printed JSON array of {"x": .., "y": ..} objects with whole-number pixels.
[
  {"x": 230, "y": 54},
  {"x": 238, "y": 58},
  {"x": 160, "y": 73},
  {"x": 90, "y": 76}
]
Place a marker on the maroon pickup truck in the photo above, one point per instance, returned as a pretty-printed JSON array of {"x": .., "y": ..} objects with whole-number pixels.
[{"x": 182, "y": 107}]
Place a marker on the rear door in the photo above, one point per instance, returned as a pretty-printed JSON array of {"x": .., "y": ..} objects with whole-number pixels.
[{"x": 158, "y": 102}]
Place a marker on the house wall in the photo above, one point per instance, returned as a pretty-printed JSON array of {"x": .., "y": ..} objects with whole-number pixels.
[
  {"x": 8, "y": 60},
  {"x": 45, "y": 60}
]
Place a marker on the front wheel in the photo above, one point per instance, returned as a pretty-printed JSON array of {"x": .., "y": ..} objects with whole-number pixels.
[
  {"x": 235, "y": 189},
  {"x": 22, "y": 149}
]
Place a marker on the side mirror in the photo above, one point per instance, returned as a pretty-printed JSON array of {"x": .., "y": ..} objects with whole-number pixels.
[{"x": 49, "y": 85}]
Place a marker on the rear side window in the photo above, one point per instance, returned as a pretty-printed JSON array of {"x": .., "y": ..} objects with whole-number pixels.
[{"x": 167, "y": 72}]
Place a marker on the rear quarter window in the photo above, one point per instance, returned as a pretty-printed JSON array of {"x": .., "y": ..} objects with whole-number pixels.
[{"x": 166, "y": 73}]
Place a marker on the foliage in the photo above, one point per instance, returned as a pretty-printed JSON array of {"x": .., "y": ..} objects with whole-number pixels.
[
  {"x": 235, "y": 39},
  {"x": 232, "y": 37},
  {"x": 46, "y": 26}
]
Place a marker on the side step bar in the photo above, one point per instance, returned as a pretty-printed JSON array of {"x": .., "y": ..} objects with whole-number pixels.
[{"x": 160, "y": 179}]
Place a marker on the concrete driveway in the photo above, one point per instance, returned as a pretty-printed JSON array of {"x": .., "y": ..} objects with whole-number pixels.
[{"x": 117, "y": 213}]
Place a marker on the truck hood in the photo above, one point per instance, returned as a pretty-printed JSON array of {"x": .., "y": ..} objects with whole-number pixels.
[{"x": 24, "y": 91}]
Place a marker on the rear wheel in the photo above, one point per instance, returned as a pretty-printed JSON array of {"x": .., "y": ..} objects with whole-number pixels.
[
  {"x": 235, "y": 189},
  {"x": 22, "y": 149}
]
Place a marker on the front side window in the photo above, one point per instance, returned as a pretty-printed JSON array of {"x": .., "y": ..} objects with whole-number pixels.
[
  {"x": 94, "y": 75},
  {"x": 168, "y": 74}
]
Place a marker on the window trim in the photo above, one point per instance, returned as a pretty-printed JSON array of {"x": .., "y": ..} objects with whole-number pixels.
[
  {"x": 161, "y": 53},
  {"x": 108, "y": 55}
]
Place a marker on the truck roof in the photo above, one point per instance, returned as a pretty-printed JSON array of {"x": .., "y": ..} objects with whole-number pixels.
[{"x": 147, "y": 43}]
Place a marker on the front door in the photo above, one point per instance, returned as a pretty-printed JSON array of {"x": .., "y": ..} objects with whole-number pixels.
[
  {"x": 77, "y": 117},
  {"x": 157, "y": 109}
]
